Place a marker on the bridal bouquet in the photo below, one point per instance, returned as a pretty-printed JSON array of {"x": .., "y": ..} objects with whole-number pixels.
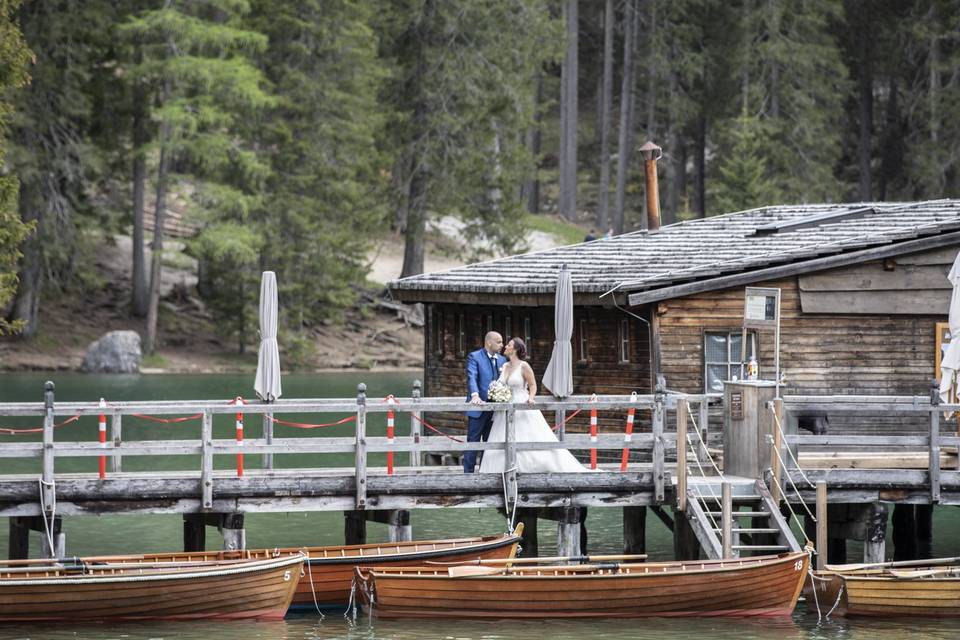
[{"x": 499, "y": 392}]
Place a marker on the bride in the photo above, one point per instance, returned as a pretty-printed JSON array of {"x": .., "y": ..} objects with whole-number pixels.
[{"x": 530, "y": 424}]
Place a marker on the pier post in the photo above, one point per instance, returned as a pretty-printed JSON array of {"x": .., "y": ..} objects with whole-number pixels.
[
  {"x": 194, "y": 532},
  {"x": 823, "y": 546},
  {"x": 268, "y": 439},
  {"x": 18, "y": 547},
  {"x": 682, "y": 410},
  {"x": 703, "y": 454},
  {"x": 206, "y": 464},
  {"x": 510, "y": 462},
  {"x": 234, "y": 535},
  {"x": 933, "y": 465},
  {"x": 568, "y": 532},
  {"x": 360, "y": 457},
  {"x": 658, "y": 449},
  {"x": 685, "y": 543},
  {"x": 634, "y": 530},
  {"x": 529, "y": 546},
  {"x": 354, "y": 527},
  {"x": 726, "y": 515},
  {"x": 116, "y": 435},
  {"x": 874, "y": 543},
  {"x": 47, "y": 488},
  {"x": 416, "y": 429},
  {"x": 923, "y": 514}
]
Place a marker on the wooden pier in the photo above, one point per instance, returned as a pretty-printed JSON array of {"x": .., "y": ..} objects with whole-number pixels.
[{"x": 668, "y": 477}]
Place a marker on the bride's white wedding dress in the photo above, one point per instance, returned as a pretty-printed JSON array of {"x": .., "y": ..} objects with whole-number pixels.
[{"x": 530, "y": 426}]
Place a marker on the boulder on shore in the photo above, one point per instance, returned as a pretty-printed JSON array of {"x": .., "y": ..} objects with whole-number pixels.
[{"x": 114, "y": 352}]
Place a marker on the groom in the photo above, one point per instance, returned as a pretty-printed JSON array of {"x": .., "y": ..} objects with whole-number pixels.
[{"x": 483, "y": 367}]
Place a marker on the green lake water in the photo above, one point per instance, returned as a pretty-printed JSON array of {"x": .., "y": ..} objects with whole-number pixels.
[{"x": 127, "y": 533}]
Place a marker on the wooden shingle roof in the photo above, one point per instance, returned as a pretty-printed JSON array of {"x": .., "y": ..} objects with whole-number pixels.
[{"x": 749, "y": 244}]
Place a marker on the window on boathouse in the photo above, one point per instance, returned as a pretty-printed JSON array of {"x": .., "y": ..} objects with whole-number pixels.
[
  {"x": 582, "y": 339},
  {"x": 528, "y": 334},
  {"x": 624, "y": 340},
  {"x": 721, "y": 357}
]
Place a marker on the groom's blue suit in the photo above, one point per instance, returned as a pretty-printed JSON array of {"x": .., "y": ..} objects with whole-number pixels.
[{"x": 482, "y": 369}]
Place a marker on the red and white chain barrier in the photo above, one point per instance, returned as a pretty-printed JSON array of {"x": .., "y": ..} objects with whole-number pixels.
[
  {"x": 593, "y": 433},
  {"x": 390, "y": 433},
  {"x": 238, "y": 401},
  {"x": 103, "y": 438},
  {"x": 628, "y": 435}
]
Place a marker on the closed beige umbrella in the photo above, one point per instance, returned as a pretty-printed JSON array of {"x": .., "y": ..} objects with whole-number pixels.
[
  {"x": 558, "y": 377},
  {"x": 267, "y": 384}
]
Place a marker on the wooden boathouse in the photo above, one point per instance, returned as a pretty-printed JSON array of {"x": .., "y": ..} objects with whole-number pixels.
[{"x": 864, "y": 300}]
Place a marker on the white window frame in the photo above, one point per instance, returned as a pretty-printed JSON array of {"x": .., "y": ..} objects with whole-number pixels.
[
  {"x": 624, "y": 340},
  {"x": 461, "y": 335},
  {"x": 507, "y": 333},
  {"x": 583, "y": 340},
  {"x": 733, "y": 359},
  {"x": 528, "y": 334}
]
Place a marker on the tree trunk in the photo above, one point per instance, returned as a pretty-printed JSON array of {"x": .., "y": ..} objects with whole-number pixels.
[
  {"x": 774, "y": 32},
  {"x": 416, "y": 227},
  {"x": 606, "y": 105},
  {"x": 890, "y": 158},
  {"x": 865, "y": 111},
  {"x": 626, "y": 122},
  {"x": 678, "y": 186},
  {"x": 652, "y": 75},
  {"x": 568, "y": 116},
  {"x": 140, "y": 298},
  {"x": 413, "y": 248},
  {"x": 156, "y": 258},
  {"x": 27, "y": 301},
  {"x": 532, "y": 187},
  {"x": 700, "y": 162}
]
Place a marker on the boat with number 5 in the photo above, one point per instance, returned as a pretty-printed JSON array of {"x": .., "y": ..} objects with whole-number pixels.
[
  {"x": 77, "y": 590},
  {"x": 758, "y": 586},
  {"x": 328, "y": 571}
]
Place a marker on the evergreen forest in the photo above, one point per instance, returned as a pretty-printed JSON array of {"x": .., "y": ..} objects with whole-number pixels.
[{"x": 290, "y": 134}]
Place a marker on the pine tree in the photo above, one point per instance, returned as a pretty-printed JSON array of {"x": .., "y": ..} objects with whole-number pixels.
[
  {"x": 462, "y": 92},
  {"x": 325, "y": 196},
  {"x": 14, "y": 59},
  {"x": 198, "y": 58},
  {"x": 744, "y": 180},
  {"x": 51, "y": 152}
]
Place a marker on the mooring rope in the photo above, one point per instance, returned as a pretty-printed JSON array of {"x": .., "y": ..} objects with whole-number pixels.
[
  {"x": 511, "y": 514},
  {"x": 53, "y": 513},
  {"x": 783, "y": 438},
  {"x": 313, "y": 590}
]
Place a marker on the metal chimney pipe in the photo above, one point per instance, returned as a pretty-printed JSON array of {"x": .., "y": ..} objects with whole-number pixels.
[{"x": 651, "y": 153}]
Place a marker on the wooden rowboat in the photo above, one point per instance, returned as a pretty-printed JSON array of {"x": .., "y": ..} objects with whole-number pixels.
[
  {"x": 328, "y": 573},
  {"x": 913, "y": 588},
  {"x": 759, "y": 586},
  {"x": 82, "y": 591}
]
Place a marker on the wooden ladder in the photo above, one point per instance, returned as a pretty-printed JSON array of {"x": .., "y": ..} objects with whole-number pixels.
[{"x": 766, "y": 531}]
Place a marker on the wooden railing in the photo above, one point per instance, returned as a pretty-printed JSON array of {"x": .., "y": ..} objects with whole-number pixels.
[
  {"x": 933, "y": 441},
  {"x": 415, "y": 442}
]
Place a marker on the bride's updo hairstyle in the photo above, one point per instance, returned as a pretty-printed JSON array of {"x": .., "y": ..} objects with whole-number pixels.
[{"x": 520, "y": 347}]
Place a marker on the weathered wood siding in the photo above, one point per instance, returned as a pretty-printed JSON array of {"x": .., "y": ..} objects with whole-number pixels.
[
  {"x": 822, "y": 354},
  {"x": 601, "y": 372}
]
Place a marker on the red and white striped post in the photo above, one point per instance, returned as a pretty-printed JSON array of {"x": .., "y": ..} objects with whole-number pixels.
[
  {"x": 628, "y": 436},
  {"x": 593, "y": 433},
  {"x": 103, "y": 437},
  {"x": 390, "y": 432},
  {"x": 239, "y": 403}
]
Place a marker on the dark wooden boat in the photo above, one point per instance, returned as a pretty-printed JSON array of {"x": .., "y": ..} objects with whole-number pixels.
[
  {"x": 760, "y": 586},
  {"x": 328, "y": 574},
  {"x": 88, "y": 591},
  {"x": 913, "y": 588}
]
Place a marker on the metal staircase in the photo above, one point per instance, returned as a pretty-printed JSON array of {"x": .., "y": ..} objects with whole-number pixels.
[{"x": 756, "y": 524}]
